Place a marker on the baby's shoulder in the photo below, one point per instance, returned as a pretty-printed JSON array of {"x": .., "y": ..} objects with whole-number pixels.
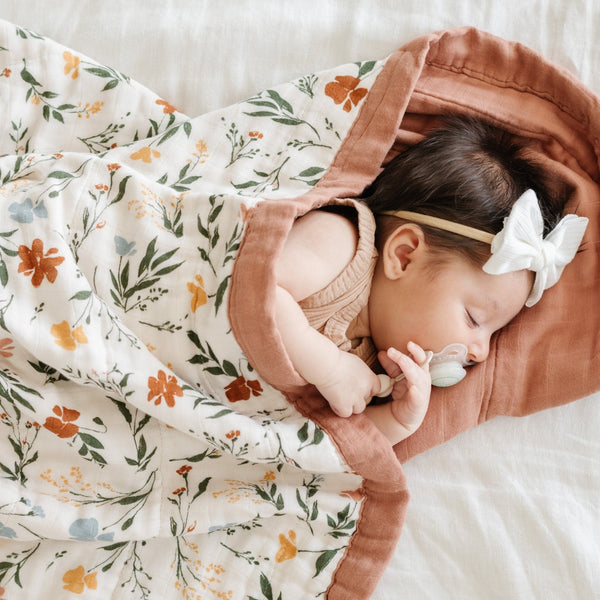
[
  {"x": 329, "y": 228},
  {"x": 319, "y": 247}
]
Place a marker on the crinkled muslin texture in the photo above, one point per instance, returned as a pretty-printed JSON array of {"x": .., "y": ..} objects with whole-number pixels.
[
  {"x": 155, "y": 439},
  {"x": 468, "y": 71}
]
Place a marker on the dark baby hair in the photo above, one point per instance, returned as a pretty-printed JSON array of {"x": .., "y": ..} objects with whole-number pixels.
[{"x": 467, "y": 171}]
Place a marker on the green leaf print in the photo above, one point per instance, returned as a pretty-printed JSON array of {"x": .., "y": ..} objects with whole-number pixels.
[
  {"x": 279, "y": 110},
  {"x": 130, "y": 292}
]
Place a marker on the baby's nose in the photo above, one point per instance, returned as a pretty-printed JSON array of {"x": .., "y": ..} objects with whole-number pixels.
[{"x": 479, "y": 350}]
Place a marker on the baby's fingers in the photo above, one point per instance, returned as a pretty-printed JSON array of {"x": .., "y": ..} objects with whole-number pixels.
[{"x": 419, "y": 355}]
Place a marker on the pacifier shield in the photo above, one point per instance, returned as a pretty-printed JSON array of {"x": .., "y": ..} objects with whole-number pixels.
[{"x": 445, "y": 374}]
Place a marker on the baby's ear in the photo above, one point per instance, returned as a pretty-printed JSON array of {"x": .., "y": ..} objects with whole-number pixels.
[{"x": 404, "y": 245}]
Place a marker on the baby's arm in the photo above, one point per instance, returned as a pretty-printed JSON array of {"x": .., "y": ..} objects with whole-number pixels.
[
  {"x": 410, "y": 397},
  {"x": 319, "y": 247}
]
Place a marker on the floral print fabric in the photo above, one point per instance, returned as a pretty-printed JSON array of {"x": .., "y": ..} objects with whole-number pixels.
[{"x": 141, "y": 455}]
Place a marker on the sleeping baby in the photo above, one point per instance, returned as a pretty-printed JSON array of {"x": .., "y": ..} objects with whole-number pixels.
[{"x": 456, "y": 235}]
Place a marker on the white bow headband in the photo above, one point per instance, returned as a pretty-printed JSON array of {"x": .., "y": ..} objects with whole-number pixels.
[{"x": 521, "y": 243}]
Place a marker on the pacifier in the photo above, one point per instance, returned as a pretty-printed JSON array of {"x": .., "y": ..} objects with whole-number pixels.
[{"x": 446, "y": 368}]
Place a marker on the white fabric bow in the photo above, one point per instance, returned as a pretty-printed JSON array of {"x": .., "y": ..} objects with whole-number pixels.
[{"x": 521, "y": 245}]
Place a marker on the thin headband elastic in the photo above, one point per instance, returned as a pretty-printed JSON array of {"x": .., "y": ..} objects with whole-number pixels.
[
  {"x": 451, "y": 226},
  {"x": 521, "y": 243}
]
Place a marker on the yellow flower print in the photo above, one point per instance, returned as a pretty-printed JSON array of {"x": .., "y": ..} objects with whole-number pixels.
[
  {"x": 66, "y": 338},
  {"x": 71, "y": 64},
  {"x": 88, "y": 109},
  {"x": 201, "y": 151},
  {"x": 71, "y": 487},
  {"x": 199, "y": 297},
  {"x": 288, "y": 549},
  {"x": 145, "y": 154},
  {"x": 76, "y": 580}
]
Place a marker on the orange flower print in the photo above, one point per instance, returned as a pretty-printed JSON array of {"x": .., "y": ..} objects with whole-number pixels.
[
  {"x": 34, "y": 261},
  {"x": 2, "y": 592},
  {"x": 241, "y": 389},
  {"x": 113, "y": 167},
  {"x": 5, "y": 348},
  {"x": 67, "y": 339},
  {"x": 145, "y": 154},
  {"x": 63, "y": 426},
  {"x": 344, "y": 89},
  {"x": 164, "y": 388},
  {"x": 6, "y": 73},
  {"x": 167, "y": 108},
  {"x": 71, "y": 64},
  {"x": 199, "y": 297},
  {"x": 76, "y": 580},
  {"x": 288, "y": 549}
]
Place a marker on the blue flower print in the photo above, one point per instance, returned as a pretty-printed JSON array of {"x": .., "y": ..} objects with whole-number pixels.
[
  {"x": 124, "y": 247},
  {"x": 25, "y": 211},
  {"x": 86, "y": 530},
  {"x": 7, "y": 532},
  {"x": 39, "y": 210},
  {"x": 36, "y": 511}
]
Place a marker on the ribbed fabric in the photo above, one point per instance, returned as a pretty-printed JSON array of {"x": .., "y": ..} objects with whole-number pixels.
[{"x": 332, "y": 309}]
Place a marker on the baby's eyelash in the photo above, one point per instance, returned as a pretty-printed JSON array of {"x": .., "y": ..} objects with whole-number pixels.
[{"x": 472, "y": 322}]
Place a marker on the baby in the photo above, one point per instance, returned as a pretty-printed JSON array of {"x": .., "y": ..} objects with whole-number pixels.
[{"x": 447, "y": 246}]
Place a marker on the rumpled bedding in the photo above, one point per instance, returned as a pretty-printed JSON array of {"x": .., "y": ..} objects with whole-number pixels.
[{"x": 156, "y": 441}]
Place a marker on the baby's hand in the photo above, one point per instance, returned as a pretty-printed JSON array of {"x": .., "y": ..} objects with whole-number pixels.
[
  {"x": 350, "y": 385},
  {"x": 410, "y": 396}
]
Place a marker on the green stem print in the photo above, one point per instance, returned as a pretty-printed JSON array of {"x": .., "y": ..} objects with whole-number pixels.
[
  {"x": 126, "y": 505},
  {"x": 11, "y": 569},
  {"x": 22, "y": 435},
  {"x": 306, "y": 84},
  {"x": 278, "y": 109},
  {"x": 102, "y": 141},
  {"x": 240, "y": 145},
  {"x": 267, "y": 590},
  {"x": 130, "y": 291},
  {"x": 9, "y": 252},
  {"x": 18, "y": 137},
  {"x": 208, "y": 228},
  {"x": 102, "y": 197},
  {"x": 265, "y": 181},
  {"x": 37, "y": 95}
]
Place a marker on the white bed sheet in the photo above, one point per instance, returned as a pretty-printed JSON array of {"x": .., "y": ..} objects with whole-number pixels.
[{"x": 509, "y": 510}]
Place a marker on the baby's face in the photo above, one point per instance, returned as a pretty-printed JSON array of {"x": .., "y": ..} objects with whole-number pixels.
[{"x": 458, "y": 302}]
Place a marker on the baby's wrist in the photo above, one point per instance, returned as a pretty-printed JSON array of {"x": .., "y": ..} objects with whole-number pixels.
[{"x": 327, "y": 372}]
